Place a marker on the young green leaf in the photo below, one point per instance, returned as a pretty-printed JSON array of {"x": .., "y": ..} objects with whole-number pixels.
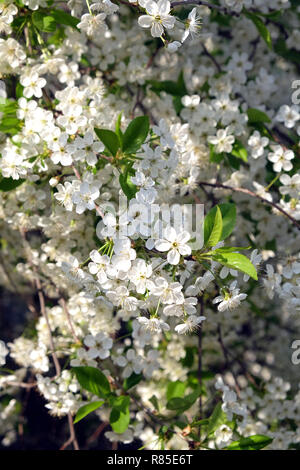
[
  {"x": 228, "y": 211},
  {"x": 131, "y": 381},
  {"x": 255, "y": 442},
  {"x": 175, "y": 389},
  {"x": 10, "y": 125},
  {"x": 65, "y": 18},
  {"x": 154, "y": 402},
  {"x": 8, "y": 184},
  {"x": 236, "y": 261},
  {"x": 215, "y": 157},
  {"x": 261, "y": 28},
  {"x": 213, "y": 227},
  {"x": 109, "y": 139},
  {"x": 87, "y": 409},
  {"x": 120, "y": 415},
  {"x": 129, "y": 189},
  {"x": 118, "y": 129},
  {"x": 217, "y": 418},
  {"x": 257, "y": 116},
  {"x": 239, "y": 151},
  {"x": 42, "y": 22},
  {"x": 93, "y": 380},
  {"x": 182, "y": 404},
  {"x": 135, "y": 134}
]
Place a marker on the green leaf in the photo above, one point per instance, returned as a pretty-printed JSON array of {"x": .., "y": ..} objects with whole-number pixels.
[
  {"x": 217, "y": 418},
  {"x": 42, "y": 22},
  {"x": 255, "y": 442},
  {"x": 135, "y": 134},
  {"x": 62, "y": 17},
  {"x": 120, "y": 416},
  {"x": 181, "y": 84},
  {"x": 175, "y": 389},
  {"x": 58, "y": 36},
  {"x": 118, "y": 129},
  {"x": 19, "y": 90},
  {"x": 93, "y": 380},
  {"x": 132, "y": 381},
  {"x": 176, "y": 89},
  {"x": 230, "y": 249},
  {"x": 8, "y": 106},
  {"x": 8, "y": 184},
  {"x": 213, "y": 227},
  {"x": 109, "y": 139},
  {"x": 239, "y": 151},
  {"x": 228, "y": 211},
  {"x": 154, "y": 402},
  {"x": 281, "y": 48},
  {"x": 172, "y": 88},
  {"x": 234, "y": 162},
  {"x": 215, "y": 157},
  {"x": 87, "y": 409},
  {"x": 257, "y": 116},
  {"x": 177, "y": 103},
  {"x": 10, "y": 125},
  {"x": 236, "y": 261},
  {"x": 261, "y": 28},
  {"x": 182, "y": 404},
  {"x": 129, "y": 189}
]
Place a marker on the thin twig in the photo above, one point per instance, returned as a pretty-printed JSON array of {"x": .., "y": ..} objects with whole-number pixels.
[
  {"x": 97, "y": 433},
  {"x": 227, "y": 362},
  {"x": 252, "y": 194},
  {"x": 72, "y": 438},
  {"x": 200, "y": 366},
  {"x": 41, "y": 297},
  {"x": 211, "y": 57},
  {"x": 212, "y": 6},
  {"x": 67, "y": 313}
]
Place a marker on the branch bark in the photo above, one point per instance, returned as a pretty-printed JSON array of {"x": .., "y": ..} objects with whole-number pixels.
[
  {"x": 212, "y": 6},
  {"x": 252, "y": 194}
]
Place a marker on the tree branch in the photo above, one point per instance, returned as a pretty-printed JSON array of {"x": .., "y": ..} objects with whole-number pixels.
[
  {"x": 212, "y": 6},
  {"x": 72, "y": 437},
  {"x": 252, "y": 194}
]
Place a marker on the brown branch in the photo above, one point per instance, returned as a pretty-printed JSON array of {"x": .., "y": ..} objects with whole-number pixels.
[
  {"x": 252, "y": 194},
  {"x": 97, "y": 433},
  {"x": 67, "y": 313},
  {"x": 226, "y": 357},
  {"x": 72, "y": 438},
  {"x": 41, "y": 297},
  {"x": 212, "y": 6},
  {"x": 142, "y": 107},
  {"x": 211, "y": 57}
]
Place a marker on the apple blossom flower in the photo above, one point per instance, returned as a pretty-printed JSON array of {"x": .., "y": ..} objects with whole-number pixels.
[
  {"x": 85, "y": 197},
  {"x": 175, "y": 244},
  {"x": 158, "y": 17},
  {"x": 190, "y": 324},
  {"x": 281, "y": 158}
]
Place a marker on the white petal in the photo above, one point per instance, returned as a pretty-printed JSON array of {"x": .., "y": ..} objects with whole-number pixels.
[
  {"x": 157, "y": 30},
  {"x": 173, "y": 257},
  {"x": 162, "y": 245},
  {"x": 145, "y": 21}
]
